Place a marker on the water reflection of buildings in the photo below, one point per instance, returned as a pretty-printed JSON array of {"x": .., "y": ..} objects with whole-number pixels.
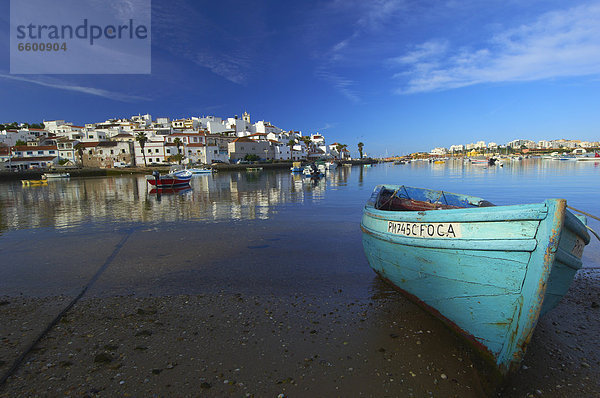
[{"x": 218, "y": 197}]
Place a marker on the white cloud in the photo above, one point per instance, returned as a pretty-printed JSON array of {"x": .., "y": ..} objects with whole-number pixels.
[
  {"x": 433, "y": 49},
  {"x": 182, "y": 30},
  {"x": 557, "y": 44},
  {"x": 376, "y": 12},
  {"x": 232, "y": 68},
  {"x": 366, "y": 18},
  {"x": 80, "y": 89},
  {"x": 343, "y": 85}
]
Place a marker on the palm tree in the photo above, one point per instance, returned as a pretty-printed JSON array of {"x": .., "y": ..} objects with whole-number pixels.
[
  {"x": 177, "y": 142},
  {"x": 307, "y": 141},
  {"x": 142, "y": 139},
  {"x": 79, "y": 147},
  {"x": 291, "y": 144},
  {"x": 360, "y": 149},
  {"x": 339, "y": 148}
]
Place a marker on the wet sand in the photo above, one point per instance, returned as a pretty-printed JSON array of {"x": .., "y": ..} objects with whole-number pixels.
[
  {"x": 253, "y": 308},
  {"x": 223, "y": 344}
]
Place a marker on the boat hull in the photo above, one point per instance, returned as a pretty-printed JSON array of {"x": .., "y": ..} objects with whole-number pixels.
[
  {"x": 200, "y": 171},
  {"x": 56, "y": 175},
  {"x": 173, "y": 180},
  {"x": 488, "y": 272}
]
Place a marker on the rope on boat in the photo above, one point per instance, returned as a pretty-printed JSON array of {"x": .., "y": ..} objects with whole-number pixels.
[
  {"x": 594, "y": 232},
  {"x": 57, "y": 319},
  {"x": 589, "y": 215},
  {"x": 406, "y": 192},
  {"x": 445, "y": 200},
  {"x": 584, "y": 213},
  {"x": 381, "y": 204}
]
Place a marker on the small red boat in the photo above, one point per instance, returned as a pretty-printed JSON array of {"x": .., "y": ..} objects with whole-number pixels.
[{"x": 171, "y": 180}]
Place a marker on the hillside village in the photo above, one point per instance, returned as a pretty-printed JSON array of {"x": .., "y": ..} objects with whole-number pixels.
[{"x": 142, "y": 141}]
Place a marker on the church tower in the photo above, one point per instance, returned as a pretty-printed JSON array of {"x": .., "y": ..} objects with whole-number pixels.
[{"x": 246, "y": 117}]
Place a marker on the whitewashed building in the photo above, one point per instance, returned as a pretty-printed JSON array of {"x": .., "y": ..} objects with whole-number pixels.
[
  {"x": 33, "y": 156},
  {"x": 66, "y": 149},
  {"x": 438, "y": 151},
  {"x": 154, "y": 151},
  {"x": 242, "y": 146},
  {"x": 10, "y": 137},
  {"x": 281, "y": 150}
]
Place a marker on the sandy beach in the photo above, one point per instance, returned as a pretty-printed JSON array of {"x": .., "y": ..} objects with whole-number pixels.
[{"x": 223, "y": 344}]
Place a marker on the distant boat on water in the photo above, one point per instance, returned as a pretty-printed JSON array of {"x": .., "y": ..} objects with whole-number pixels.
[
  {"x": 488, "y": 271},
  {"x": 479, "y": 161},
  {"x": 55, "y": 175},
  {"x": 331, "y": 165},
  {"x": 200, "y": 170},
  {"x": 594, "y": 158},
  {"x": 31, "y": 183},
  {"x": 296, "y": 167},
  {"x": 175, "y": 179}
]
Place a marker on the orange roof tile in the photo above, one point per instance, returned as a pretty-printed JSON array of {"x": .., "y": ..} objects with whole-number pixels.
[
  {"x": 35, "y": 148},
  {"x": 243, "y": 139}
]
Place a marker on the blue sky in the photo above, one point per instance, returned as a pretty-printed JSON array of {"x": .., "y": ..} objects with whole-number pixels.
[{"x": 400, "y": 76}]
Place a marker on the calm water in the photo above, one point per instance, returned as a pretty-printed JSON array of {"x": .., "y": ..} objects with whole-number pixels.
[{"x": 239, "y": 230}]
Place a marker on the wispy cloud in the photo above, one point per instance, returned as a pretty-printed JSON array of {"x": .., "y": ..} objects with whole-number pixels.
[
  {"x": 326, "y": 126},
  {"x": 234, "y": 69},
  {"x": 80, "y": 89},
  {"x": 363, "y": 19},
  {"x": 557, "y": 44},
  {"x": 343, "y": 85},
  {"x": 377, "y": 12},
  {"x": 181, "y": 28}
]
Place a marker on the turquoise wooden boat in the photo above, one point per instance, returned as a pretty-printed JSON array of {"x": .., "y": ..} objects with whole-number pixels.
[{"x": 488, "y": 271}]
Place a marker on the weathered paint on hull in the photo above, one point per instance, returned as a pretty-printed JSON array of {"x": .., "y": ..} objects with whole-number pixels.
[{"x": 509, "y": 265}]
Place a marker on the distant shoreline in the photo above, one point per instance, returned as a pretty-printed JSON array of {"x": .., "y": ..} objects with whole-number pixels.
[{"x": 99, "y": 172}]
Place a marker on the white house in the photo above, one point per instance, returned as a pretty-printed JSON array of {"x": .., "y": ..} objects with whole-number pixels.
[
  {"x": 10, "y": 137},
  {"x": 438, "y": 151},
  {"x": 142, "y": 120},
  {"x": 543, "y": 144},
  {"x": 281, "y": 151},
  {"x": 154, "y": 151},
  {"x": 517, "y": 144},
  {"x": 53, "y": 125},
  {"x": 93, "y": 135},
  {"x": 242, "y": 146},
  {"x": 66, "y": 149},
  {"x": 33, "y": 156}
]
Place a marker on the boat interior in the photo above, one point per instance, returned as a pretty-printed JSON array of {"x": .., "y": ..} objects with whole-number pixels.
[{"x": 418, "y": 199}]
